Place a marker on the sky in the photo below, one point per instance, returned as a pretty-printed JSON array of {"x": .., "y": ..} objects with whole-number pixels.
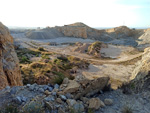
[{"x": 95, "y": 13}]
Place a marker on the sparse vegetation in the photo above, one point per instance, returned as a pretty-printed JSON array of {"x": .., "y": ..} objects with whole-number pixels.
[
  {"x": 33, "y": 107},
  {"x": 59, "y": 78},
  {"x": 9, "y": 109},
  {"x": 72, "y": 110},
  {"x": 41, "y": 49},
  {"x": 25, "y": 54},
  {"x": 127, "y": 109},
  {"x": 95, "y": 46},
  {"x": 25, "y": 60},
  {"x": 90, "y": 111},
  {"x": 130, "y": 62},
  {"x": 45, "y": 56}
]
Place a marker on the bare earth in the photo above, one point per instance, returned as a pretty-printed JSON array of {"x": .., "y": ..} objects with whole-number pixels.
[{"x": 118, "y": 73}]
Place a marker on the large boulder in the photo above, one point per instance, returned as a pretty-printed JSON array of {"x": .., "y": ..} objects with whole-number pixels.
[
  {"x": 86, "y": 87},
  {"x": 10, "y": 74}
]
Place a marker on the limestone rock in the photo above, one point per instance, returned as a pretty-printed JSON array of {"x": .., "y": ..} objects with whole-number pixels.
[
  {"x": 60, "y": 110},
  {"x": 78, "y": 106},
  {"x": 65, "y": 81},
  {"x": 73, "y": 86},
  {"x": 71, "y": 102},
  {"x": 108, "y": 102},
  {"x": 91, "y": 87},
  {"x": 10, "y": 74},
  {"x": 59, "y": 100},
  {"x": 145, "y": 38},
  {"x": 95, "y": 103}
]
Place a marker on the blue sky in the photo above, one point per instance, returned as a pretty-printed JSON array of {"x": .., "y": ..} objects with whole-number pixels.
[{"x": 95, "y": 13}]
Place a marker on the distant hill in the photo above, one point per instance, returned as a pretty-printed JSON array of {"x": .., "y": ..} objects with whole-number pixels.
[{"x": 81, "y": 30}]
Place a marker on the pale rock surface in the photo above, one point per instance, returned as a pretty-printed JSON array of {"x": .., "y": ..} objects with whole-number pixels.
[
  {"x": 95, "y": 103},
  {"x": 140, "y": 76},
  {"x": 108, "y": 102}
]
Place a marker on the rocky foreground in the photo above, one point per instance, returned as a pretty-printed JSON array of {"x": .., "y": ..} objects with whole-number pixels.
[{"x": 62, "y": 99}]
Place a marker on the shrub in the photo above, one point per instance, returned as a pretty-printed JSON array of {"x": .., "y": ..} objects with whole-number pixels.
[
  {"x": 59, "y": 77},
  {"x": 44, "y": 56},
  {"x": 90, "y": 111},
  {"x": 95, "y": 46},
  {"x": 73, "y": 110},
  {"x": 33, "y": 107},
  {"x": 9, "y": 109},
  {"x": 63, "y": 58},
  {"x": 127, "y": 109},
  {"x": 24, "y": 59},
  {"x": 41, "y": 49}
]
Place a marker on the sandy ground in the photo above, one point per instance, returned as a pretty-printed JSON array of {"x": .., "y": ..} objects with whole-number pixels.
[{"x": 117, "y": 73}]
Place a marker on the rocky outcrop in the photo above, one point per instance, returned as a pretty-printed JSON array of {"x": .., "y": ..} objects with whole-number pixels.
[
  {"x": 93, "y": 49},
  {"x": 81, "y": 47},
  {"x": 9, "y": 64},
  {"x": 141, "y": 74},
  {"x": 144, "y": 40}
]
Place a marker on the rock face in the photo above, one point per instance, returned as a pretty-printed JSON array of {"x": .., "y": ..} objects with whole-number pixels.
[
  {"x": 141, "y": 74},
  {"x": 145, "y": 37},
  {"x": 9, "y": 64},
  {"x": 144, "y": 40},
  {"x": 74, "y": 31}
]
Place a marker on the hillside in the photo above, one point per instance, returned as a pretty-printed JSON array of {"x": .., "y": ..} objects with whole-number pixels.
[{"x": 81, "y": 30}]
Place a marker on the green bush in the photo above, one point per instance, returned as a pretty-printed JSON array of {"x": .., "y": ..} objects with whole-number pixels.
[
  {"x": 41, "y": 49},
  {"x": 44, "y": 56},
  {"x": 59, "y": 77},
  {"x": 24, "y": 59},
  {"x": 90, "y": 111}
]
